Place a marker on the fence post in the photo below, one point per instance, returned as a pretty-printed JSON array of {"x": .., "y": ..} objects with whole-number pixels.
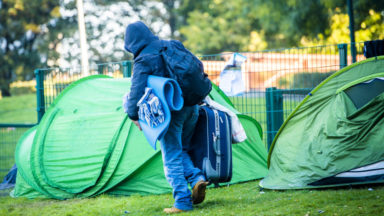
[
  {"x": 100, "y": 69},
  {"x": 39, "y": 74},
  {"x": 343, "y": 54},
  {"x": 275, "y": 115},
  {"x": 352, "y": 30},
  {"x": 127, "y": 68}
]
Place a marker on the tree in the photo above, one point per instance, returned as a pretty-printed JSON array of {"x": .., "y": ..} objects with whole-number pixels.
[
  {"x": 155, "y": 12},
  {"x": 105, "y": 31},
  {"x": 22, "y": 25},
  {"x": 223, "y": 26},
  {"x": 171, "y": 14},
  {"x": 371, "y": 28},
  {"x": 247, "y": 25},
  {"x": 286, "y": 22}
]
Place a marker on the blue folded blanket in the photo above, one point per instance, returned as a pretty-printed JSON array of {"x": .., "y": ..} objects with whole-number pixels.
[
  {"x": 162, "y": 96},
  {"x": 150, "y": 109}
]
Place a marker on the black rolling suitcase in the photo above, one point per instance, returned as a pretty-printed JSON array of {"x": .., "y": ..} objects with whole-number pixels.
[{"x": 212, "y": 140}]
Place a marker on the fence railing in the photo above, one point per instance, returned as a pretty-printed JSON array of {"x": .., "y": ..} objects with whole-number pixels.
[
  {"x": 51, "y": 81},
  {"x": 9, "y": 134},
  {"x": 275, "y": 82}
]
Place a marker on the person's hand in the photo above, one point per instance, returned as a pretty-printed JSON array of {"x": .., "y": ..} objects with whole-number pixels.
[{"x": 137, "y": 124}]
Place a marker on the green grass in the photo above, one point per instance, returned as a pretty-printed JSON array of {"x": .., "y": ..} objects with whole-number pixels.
[
  {"x": 18, "y": 109},
  {"x": 240, "y": 199}
]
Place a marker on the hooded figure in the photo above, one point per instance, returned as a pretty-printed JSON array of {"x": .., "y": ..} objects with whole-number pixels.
[
  {"x": 175, "y": 144},
  {"x": 137, "y": 37},
  {"x": 145, "y": 47}
]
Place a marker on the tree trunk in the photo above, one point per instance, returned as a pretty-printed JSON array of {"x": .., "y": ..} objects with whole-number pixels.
[
  {"x": 5, "y": 91},
  {"x": 5, "y": 83}
]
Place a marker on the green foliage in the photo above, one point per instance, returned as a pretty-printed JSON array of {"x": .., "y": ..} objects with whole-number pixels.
[
  {"x": 285, "y": 22},
  {"x": 229, "y": 26},
  {"x": 22, "y": 90},
  {"x": 23, "y": 87},
  {"x": 372, "y": 28},
  {"x": 361, "y": 8},
  {"x": 306, "y": 80},
  {"x": 170, "y": 13},
  {"x": 161, "y": 15},
  {"x": 239, "y": 199},
  {"x": 27, "y": 38},
  {"x": 222, "y": 26}
]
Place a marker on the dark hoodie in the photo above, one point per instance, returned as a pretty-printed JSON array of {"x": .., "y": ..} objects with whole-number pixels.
[
  {"x": 145, "y": 47},
  {"x": 137, "y": 37}
]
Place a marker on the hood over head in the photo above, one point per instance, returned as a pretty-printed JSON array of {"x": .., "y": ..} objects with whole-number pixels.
[{"x": 137, "y": 36}]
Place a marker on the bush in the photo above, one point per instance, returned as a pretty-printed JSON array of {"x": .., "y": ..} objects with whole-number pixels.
[
  {"x": 308, "y": 80},
  {"x": 23, "y": 87}
]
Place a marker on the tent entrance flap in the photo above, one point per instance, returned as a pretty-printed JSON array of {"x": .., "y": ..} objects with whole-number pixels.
[
  {"x": 370, "y": 173},
  {"x": 362, "y": 93}
]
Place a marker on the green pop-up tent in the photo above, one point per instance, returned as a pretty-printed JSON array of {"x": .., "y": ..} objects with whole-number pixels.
[
  {"x": 336, "y": 134},
  {"x": 85, "y": 145}
]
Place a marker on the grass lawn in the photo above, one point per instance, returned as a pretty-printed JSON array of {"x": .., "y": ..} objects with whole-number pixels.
[
  {"x": 240, "y": 199},
  {"x": 18, "y": 109}
]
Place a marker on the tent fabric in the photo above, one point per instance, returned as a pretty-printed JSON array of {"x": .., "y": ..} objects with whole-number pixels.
[
  {"x": 85, "y": 145},
  {"x": 328, "y": 134}
]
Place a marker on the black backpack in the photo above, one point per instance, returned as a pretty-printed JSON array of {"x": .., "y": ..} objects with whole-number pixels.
[
  {"x": 187, "y": 70},
  {"x": 373, "y": 48}
]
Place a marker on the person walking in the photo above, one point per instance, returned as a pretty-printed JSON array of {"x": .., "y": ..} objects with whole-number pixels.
[{"x": 178, "y": 167}]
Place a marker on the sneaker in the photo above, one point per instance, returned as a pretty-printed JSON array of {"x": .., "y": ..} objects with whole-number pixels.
[
  {"x": 198, "y": 192},
  {"x": 172, "y": 210}
]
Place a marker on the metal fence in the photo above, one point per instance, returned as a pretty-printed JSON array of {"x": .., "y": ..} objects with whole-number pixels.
[
  {"x": 9, "y": 134},
  {"x": 275, "y": 82},
  {"x": 51, "y": 81}
]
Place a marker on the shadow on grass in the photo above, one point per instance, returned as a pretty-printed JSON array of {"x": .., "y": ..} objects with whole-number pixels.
[{"x": 5, "y": 192}]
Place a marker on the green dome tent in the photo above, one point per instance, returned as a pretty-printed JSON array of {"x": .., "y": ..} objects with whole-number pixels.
[
  {"x": 336, "y": 134},
  {"x": 85, "y": 145}
]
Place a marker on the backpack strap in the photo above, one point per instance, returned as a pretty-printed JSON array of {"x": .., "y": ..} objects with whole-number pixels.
[{"x": 163, "y": 55}]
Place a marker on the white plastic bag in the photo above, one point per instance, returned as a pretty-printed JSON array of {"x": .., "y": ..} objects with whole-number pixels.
[
  {"x": 231, "y": 81},
  {"x": 238, "y": 132}
]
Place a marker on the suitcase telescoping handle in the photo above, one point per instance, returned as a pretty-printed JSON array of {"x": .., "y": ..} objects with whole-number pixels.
[
  {"x": 216, "y": 136},
  {"x": 216, "y": 144}
]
